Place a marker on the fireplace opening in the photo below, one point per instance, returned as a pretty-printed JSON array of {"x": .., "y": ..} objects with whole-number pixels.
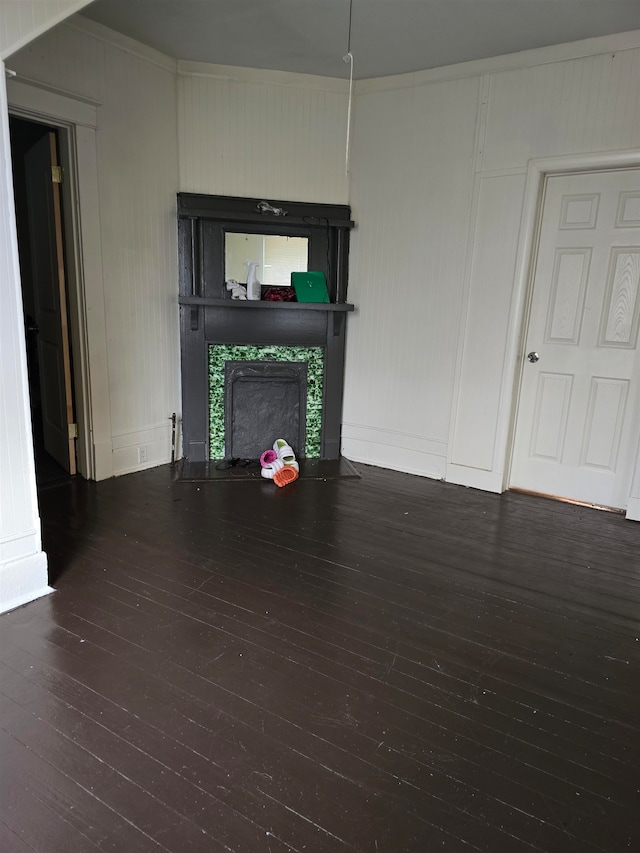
[{"x": 263, "y": 401}]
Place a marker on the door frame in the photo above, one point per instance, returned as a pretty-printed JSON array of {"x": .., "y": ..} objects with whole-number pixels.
[
  {"x": 537, "y": 172},
  {"x": 76, "y": 122}
]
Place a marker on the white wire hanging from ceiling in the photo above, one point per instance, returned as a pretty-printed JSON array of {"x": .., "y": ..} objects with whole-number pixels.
[{"x": 348, "y": 57}]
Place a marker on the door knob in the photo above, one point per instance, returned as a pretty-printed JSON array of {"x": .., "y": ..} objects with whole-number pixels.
[{"x": 533, "y": 357}]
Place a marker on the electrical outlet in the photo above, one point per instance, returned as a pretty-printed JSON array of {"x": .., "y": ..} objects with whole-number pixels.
[{"x": 142, "y": 454}]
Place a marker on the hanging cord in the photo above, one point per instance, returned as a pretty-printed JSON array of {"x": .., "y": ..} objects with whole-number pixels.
[{"x": 349, "y": 58}]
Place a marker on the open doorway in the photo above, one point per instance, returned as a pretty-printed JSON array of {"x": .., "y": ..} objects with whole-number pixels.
[{"x": 40, "y": 227}]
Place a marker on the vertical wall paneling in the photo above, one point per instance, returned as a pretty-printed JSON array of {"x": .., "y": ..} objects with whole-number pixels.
[
  {"x": 272, "y": 135},
  {"x": 23, "y": 20},
  {"x": 139, "y": 255},
  {"x": 488, "y": 311},
  {"x": 412, "y": 180},
  {"x": 131, "y": 270},
  {"x": 23, "y": 565},
  {"x": 546, "y": 105},
  {"x": 579, "y": 106},
  {"x": 566, "y": 110},
  {"x": 417, "y": 144}
]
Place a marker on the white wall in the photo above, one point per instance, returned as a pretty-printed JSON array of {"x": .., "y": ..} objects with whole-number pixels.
[
  {"x": 23, "y": 20},
  {"x": 262, "y": 134},
  {"x": 412, "y": 182},
  {"x": 439, "y": 173},
  {"x": 137, "y": 181},
  {"x": 239, "y": 132}
]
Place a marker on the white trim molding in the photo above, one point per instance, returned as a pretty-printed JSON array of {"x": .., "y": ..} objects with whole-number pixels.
[
  {"x": 633, "y": 509},
  {"x": 398, "y": 451},
  {"x": 506, "y": 62},
  {"x": 474, "y": 478},
  {"x": 115, "y": 39},
  {"x": 154, "y": 439},
  {"x": 78, "y": 118},
  {"x": 262, "y": 77},
  {"x": 23, "y": 580}
]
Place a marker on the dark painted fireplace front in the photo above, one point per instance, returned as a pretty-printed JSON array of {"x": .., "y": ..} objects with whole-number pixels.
[{"x": 219, "y": 335}]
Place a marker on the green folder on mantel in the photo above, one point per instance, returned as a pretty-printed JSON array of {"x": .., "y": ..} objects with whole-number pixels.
[{"x": 310, "y": 286}]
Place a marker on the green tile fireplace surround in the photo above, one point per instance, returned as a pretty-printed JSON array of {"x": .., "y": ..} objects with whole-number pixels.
[{"x": 219, "y": 354}]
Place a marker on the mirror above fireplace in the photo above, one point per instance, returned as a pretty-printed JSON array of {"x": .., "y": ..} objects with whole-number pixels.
[{"x": 277, "y": 256}]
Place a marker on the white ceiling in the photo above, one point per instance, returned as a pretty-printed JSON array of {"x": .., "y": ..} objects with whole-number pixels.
[{"x": 387, "y": 36}]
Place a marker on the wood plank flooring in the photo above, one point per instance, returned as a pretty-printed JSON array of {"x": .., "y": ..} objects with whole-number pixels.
[{"x": 386, "y": 664}]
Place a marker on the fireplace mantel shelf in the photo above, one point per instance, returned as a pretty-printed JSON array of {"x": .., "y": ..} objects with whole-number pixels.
[{"x": 264, "y": 303}]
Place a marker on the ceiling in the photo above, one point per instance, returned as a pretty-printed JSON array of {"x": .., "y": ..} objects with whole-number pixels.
[{"x": 387, "y": 36}]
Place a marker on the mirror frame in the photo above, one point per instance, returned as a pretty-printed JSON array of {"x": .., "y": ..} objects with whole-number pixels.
[{"x": 204, "y": 220}]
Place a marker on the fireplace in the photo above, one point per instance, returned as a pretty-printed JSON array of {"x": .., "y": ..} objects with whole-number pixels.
[{"x": 253, "y": 371}]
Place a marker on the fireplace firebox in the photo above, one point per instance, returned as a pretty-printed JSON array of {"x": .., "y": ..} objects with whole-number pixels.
[
  {"x": 253, "y": 371},
  {"x": 264, "y": 400}
]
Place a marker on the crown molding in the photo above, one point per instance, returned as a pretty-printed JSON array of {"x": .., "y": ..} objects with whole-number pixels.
[
  {"x": 257, "y": 76},
  {"x": 507, "y": 62},
  {"x": 261, "y": 76},
  {"x": 115, "y": 39}
]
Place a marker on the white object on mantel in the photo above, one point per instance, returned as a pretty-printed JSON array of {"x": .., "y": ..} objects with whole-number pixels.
[
  {"x": 253, "y": 285},
  {"x": 238, "y": 291}
]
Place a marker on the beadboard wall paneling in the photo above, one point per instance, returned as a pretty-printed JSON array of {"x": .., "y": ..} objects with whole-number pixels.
[
  {"x": 66, "y": 60},
  {"x": 572, "y": 107},
  {"x": 23, "y": 566},
  {"x": 411, "y": 191},
  {"x": 243, "y": 138},
  {"x": 137, "y": 164},
  {"x": 137, "y": 155},
  {"x": 403, "y": 338},
  {"x": 23, "y": 20},
  {"x": 496, "y": 233},
  {"x": 576, "y": 107}
]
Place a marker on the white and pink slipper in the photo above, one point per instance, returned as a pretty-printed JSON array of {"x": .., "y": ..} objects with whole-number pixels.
[{"x": 284, "y": 468}]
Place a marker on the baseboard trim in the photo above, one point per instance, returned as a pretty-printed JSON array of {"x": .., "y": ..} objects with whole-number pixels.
[
  {"x": 154, "y": 441},
  {"x": 475, "y": 478},
  {"x": 633, "y": 509},
  {"x": 23, "y": 580},
  {"x": 396, "y": 451}
]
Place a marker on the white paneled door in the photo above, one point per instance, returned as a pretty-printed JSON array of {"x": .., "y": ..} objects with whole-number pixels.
[{"x": 576, "y": 429}]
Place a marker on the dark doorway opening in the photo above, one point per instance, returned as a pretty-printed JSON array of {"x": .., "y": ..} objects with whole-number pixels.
[{"x": 36, "y": 177}]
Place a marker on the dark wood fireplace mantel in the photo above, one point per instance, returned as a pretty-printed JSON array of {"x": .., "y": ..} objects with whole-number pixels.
[{"x": 209, "y": 317}]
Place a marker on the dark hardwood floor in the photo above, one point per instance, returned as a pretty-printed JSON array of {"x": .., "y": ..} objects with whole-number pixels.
[{"x": 383, "y": 664}]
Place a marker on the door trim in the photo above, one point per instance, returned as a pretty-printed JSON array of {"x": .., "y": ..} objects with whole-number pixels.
[
  {"x": 537, "y": 173},
  {"x": 76, "y": 121}
]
